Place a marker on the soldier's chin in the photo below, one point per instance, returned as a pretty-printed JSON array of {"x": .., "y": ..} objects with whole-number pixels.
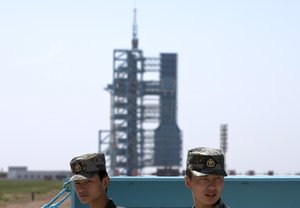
[{"x": 84, "y": 199}]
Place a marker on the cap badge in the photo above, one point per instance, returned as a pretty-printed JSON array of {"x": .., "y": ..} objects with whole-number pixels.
[
  {"x": 210, "y": 163},
  {"x": 77, "y": 168}
]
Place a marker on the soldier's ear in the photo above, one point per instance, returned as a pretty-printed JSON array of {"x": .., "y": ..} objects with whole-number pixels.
[
  {"x": 105, "y": 181},
  {"x": 187, "y": 181}
]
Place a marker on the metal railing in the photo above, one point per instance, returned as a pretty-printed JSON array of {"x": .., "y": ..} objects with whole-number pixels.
[{"x": 60, "y": 197}]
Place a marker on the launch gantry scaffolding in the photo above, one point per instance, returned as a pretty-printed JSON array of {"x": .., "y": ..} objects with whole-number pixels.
[{"x": 143, "y": 130}]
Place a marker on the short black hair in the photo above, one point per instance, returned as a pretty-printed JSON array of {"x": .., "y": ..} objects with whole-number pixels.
[
  {"x": 189, "y": 173},
  {"x": 102, "y": 174}
]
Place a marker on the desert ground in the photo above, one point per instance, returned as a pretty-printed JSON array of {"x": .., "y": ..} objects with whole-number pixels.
[{"x": 38, "y": 203}]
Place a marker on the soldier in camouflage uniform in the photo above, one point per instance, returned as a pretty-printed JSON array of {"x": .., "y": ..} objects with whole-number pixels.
[
  {"x": 205, "y": 177},
  {"x": 91, "y": 180}
]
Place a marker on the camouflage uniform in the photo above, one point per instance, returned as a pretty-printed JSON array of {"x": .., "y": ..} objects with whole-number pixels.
[
  {"x": 110, "y": 204},
  {"x": 220, "y": 204},
  {"x": 204, "y": 161}
]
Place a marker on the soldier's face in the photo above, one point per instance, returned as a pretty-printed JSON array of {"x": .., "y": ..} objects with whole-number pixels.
[
  {"x": 91, "y": 191},
  {"x": 206, "y": 190}
]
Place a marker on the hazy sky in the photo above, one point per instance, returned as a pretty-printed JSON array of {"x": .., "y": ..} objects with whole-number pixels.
[{"x": 238, "y": 63}]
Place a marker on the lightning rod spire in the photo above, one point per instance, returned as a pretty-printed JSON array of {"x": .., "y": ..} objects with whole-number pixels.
[{"x": 135, "y": 40}]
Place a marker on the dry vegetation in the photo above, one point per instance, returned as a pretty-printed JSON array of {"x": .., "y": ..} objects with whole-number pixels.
[{"x": 18, "y": 193}]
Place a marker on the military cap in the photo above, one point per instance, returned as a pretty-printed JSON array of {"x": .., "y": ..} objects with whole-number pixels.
[
  {"x": 86, "y": 166},
  {"x": 203, "y": 161}
]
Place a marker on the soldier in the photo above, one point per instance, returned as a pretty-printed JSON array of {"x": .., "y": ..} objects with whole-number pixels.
[
  {"x": 205, "y": 177},
  {"x": 91, "y": 180}
]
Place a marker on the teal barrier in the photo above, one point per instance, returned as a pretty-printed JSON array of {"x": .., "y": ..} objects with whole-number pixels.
[{"x": 239, "y": 192}]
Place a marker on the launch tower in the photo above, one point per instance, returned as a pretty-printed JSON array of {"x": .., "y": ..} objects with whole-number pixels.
[{"x": 143, "y": 128}]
